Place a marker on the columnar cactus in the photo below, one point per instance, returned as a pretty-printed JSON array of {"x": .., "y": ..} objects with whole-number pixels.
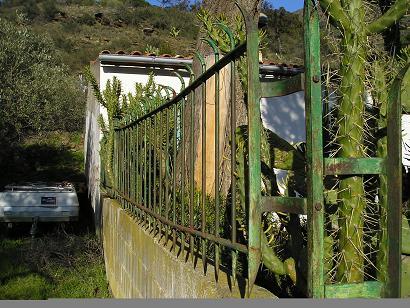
[{"x": 350, "y": 18}]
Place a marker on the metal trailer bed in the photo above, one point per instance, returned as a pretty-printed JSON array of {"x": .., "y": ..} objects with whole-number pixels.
[{"x": 45, "y": 202}]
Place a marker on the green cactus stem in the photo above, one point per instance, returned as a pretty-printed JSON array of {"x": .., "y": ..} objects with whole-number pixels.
[{"x": 349, "y": 17}]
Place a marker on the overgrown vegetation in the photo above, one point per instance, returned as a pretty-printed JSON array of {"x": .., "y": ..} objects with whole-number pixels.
[
  {"x": 361, "y": 68},
  {"x": 55, "y": 265},
  {"x": 61, "y": 262},
  {"x": 37, "y": 93}
]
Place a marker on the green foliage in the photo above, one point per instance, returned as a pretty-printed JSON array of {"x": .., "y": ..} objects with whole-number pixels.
[
  {"x": 49, "y": 269},
  {"x": 284, "y": 35},
  {"x": 31, "y": 9},
  {"x": 360, "y": 62},
  {"x": 86, "y": 19},
  {"x": 128, "y": 3},
  {"x": 81, "y": 2},
  {"x": 174, "y": 32},
  {"x": 151, "y": 49},
  {"x": 404, "y": 58},
  {"x": 221, "y": 38},
  {"x": 38, "y": 93},
  {"x": 49, "y": 9}
]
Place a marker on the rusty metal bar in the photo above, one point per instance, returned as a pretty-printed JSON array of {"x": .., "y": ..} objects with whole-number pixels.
[
  {"x": 208, "y": 236},
  {"x": 394, "y": 186},
  {"x": 191, "y": 176},
  {"x": 160, "y": 180},
  {"x": 166, "y": 170},
  {"x": 234, "y": 54},
  {"x": 254, "y": 148},
  {"x": 274, "y": 88},
  {"x": 291, "y": 205},
  {"x": 314, "y": 143},
  {"x": 234, "y": 253},
  {"x": 217, "y": 93},
  {"x": 350, "y": 166},
  {"x": 174, "y": 180}
]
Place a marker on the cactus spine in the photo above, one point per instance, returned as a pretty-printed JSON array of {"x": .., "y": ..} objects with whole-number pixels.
[{"x": 349, "y": 17}]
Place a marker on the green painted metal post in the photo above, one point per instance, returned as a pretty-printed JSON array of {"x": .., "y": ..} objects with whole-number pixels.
[
  {"x": 394, "y": 187},
  {"x": 254, "y": 147},
  {"x": 314, "y": 142}
]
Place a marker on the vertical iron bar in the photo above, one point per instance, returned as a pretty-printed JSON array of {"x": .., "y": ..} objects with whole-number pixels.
[
  {"x": 254, "y": 147},
  {"x": 233, "y": 165},
  {"x": 145, "y": 183},
  {"x": 136, "y": 163},
  {"x": 217, "y": 247},
  {"x": 394, "y": 187},
  {"x": 120, "y": 162},
  {"x": 174, "y": 182},
  {"x": 191, "y": 180},
  {"x": 183, "y": 175},
  {"x": 150, "y": 171},
  {"x": 167, "y": 179},
  {"x": 203, "y": 223},
  {"x": 314, "y": 144},
  {"x": 160, "y": 181},
  {"x": 154, "y": 171}
]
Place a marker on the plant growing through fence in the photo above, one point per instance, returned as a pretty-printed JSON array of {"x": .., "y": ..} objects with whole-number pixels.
[{"x": 350, "y": 17}]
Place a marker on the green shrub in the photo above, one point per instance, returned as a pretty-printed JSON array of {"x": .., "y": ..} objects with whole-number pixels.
[
  {"x": 31, "y": 9},
  {"x": 38, "y": 93},
  {"x": 70, "y": 26},
  {"x": 49, "y": 9},
  {"x": 86, "y": 19}
]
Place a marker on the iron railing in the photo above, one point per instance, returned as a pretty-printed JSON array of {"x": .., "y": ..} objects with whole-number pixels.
[
  {"x": 156, "y": 159},
  {"x": 155, "y": 163}
]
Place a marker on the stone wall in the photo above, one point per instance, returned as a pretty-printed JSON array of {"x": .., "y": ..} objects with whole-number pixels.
[{"x": 138, "y": 266}]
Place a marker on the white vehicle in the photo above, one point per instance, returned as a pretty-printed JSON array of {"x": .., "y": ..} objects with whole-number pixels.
[{"x": 29, "y": 202}]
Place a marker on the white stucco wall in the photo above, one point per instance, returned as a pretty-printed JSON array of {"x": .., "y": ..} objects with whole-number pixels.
[
  {"x": 285, "y": 116},
  {"x": 128, "y": 75}
]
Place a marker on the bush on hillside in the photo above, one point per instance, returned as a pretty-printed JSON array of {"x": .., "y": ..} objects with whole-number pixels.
[
  {"x": 37, "y": 92},
  {"x": 49, "y": 9}
]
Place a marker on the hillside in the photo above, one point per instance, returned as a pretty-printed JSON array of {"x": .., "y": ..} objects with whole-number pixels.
[{"x": 80, "y": 32}]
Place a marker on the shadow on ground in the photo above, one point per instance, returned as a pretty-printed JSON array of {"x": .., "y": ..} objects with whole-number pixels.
[{"x": 64, "y": 260}]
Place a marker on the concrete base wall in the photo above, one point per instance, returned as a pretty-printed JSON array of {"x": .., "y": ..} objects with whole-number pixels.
[{"x": 138, "y": 267}]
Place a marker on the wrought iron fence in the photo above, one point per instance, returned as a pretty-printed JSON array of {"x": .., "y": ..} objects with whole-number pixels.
[
  {"x": 162, "y": 178},
  {"x": 155, "y": 161}
]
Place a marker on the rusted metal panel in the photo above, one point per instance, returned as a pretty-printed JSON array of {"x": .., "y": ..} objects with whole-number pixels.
[
  {"x": 291, "y": 205},
  {"x": 282, "y": 87},
  {"x": 351, "y": 166},
  {"x": 368, "y": 289}
]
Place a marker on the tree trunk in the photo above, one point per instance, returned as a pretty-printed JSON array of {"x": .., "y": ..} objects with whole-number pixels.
[{"x": 229, "y": 9}]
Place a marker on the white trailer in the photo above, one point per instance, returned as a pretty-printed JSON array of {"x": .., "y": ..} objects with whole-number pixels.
[{"x": 46, "y": 202}]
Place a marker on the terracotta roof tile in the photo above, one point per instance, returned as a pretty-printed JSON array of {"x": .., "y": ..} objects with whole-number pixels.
[{"x": 166, "y": 55}]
